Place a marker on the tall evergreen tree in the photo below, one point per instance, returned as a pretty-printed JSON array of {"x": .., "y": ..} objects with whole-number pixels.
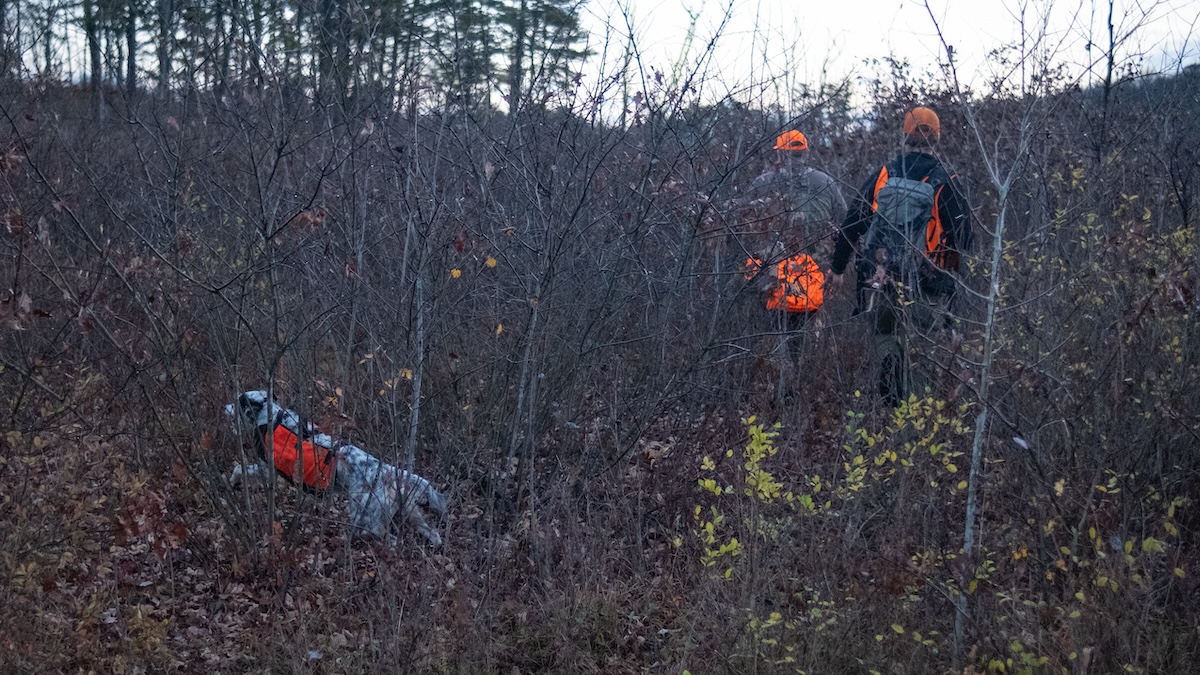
[
  {"x": 7, "y": 46},
  {"x": 131, "y": 16},
  {"x": 545, "y": 40},
  {"x": 466, "y": 47},
  {"x": 91, "y": 29},
  {"x": 332, "y": 47},
  {"x": 165, "y": 43}
]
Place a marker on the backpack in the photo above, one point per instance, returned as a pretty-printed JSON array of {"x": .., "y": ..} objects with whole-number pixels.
[
  {"x": 796, "y": 284},
  {"x": 897, "y": 248}
]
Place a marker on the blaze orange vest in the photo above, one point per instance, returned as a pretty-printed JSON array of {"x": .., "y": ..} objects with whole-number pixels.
[{"x": 296, "y": 458}]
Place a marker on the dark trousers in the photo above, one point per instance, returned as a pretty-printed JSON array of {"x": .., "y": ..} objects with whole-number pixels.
[
  {"x": 906, "y": 338},
  {"x": 790, "y": 337}
]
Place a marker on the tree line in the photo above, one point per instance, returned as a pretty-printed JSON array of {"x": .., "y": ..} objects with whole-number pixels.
[{"x": 467, "y": 53}]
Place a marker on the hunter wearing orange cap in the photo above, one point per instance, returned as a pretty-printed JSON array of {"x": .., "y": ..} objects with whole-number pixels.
[
  {"x": 795, "y": 208},
  {"x": 909, "y": 227}
]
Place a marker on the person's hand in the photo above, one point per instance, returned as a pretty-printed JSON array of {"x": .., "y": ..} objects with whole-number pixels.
[{"x": 768, "y": 279}]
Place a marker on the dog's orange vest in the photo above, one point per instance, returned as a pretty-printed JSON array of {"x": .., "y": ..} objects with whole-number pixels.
[{"x": 295, "y": 458}]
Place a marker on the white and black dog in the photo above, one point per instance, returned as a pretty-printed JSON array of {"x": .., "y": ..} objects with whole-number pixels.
[{"x": 377, "y": 490}]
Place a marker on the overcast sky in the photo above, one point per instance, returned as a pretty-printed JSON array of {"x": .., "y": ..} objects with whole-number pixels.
[{"x": 803, "y": 39}]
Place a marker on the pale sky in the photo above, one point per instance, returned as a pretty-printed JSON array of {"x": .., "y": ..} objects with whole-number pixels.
[{"x": 801, "y": 40}]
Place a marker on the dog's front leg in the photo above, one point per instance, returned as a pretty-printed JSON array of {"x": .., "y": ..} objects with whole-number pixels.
[
  {"x": 242, "y": 471},
  {"x": 367, "y": 512},
  {"x": 412, "y": 513},
  {"x": 423, "y": 527}
]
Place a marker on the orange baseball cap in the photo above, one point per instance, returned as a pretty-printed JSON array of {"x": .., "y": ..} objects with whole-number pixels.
[
  {"x": 921, "y": 121},
  {"x": 791, "y": 140}
]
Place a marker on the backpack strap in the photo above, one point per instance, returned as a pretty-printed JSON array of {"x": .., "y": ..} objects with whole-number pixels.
[
  {"x": 880, "y": 181},
  {"x": 935, "y": 233},
  {"x": 938, "y": 177}
]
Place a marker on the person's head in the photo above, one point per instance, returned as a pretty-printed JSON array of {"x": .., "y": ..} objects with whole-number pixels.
[
  {"x": 922, "y": 128},
  {"x": 791, "y": 141},
  {"x": 790, "y": 145}
]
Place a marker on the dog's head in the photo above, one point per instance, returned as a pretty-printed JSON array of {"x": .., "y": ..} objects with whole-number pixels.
[{"x": 251, "y": 410}]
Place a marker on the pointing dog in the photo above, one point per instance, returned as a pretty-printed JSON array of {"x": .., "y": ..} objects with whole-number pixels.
[{"x": 377, "y": 490}]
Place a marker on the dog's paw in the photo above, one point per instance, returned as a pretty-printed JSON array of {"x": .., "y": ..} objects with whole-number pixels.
[
  {"x": 241, "y": 472},
  {"x": 235, "y": 476},
  {"x": 431, "y": 535}
]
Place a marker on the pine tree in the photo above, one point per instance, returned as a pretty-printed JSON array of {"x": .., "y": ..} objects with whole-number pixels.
[
  {"x": 465, "y": 47},
  {"x": 544, "y": 48}
]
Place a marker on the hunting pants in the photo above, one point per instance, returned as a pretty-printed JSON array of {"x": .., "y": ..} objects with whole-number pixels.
[
  {"x": 906, "y": 337},
  {"x": 794, "y": 331}
]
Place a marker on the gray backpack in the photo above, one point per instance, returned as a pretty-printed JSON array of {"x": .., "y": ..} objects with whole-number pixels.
[{"x": 895, "y": 242}]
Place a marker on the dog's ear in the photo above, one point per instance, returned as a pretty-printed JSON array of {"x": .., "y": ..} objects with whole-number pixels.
[
  {"x": 254, "y": 399},
  {"x": 248, "y": 407}
]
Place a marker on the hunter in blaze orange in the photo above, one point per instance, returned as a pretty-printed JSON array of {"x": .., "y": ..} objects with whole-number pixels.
[
  {"x": 908, "y": 228},
  {"x": 797, "y": 205},
  {"x": 790, "y": 213}
]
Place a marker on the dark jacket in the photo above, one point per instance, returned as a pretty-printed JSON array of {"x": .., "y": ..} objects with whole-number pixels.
[{"x": 950, "y": 223}]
